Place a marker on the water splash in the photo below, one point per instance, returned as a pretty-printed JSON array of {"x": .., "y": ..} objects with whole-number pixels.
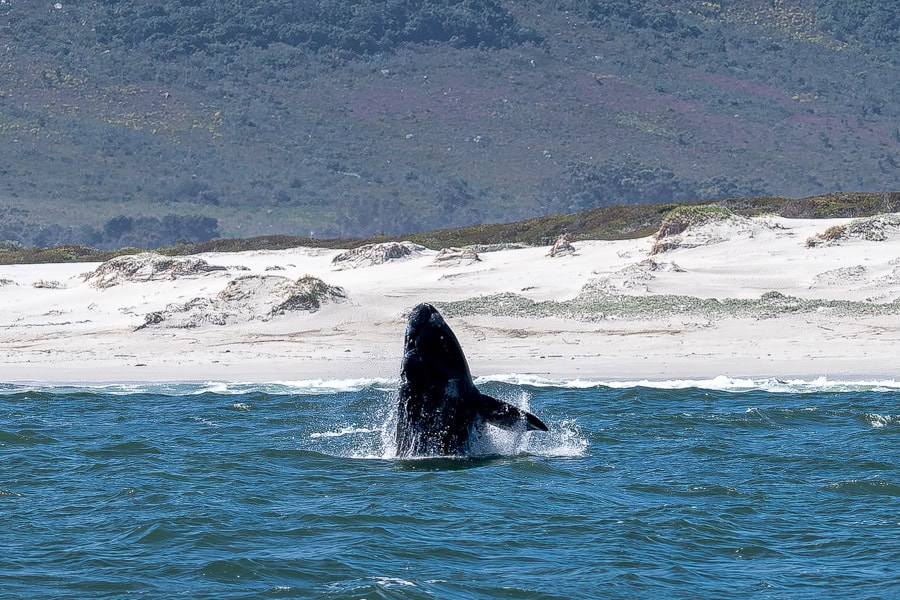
[{"x": 373, "y": 436}]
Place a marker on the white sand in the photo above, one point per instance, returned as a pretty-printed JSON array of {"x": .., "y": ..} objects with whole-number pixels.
[{"x": 844, "y": 325}]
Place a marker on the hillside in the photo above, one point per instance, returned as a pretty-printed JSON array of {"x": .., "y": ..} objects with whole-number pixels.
[{"x": 140, "y": 123}]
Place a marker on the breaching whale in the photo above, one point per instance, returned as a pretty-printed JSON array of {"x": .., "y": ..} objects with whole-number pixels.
[{"x": 439, "y": 408}]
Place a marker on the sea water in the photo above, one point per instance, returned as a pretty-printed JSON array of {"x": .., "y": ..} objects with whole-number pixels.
[{"x": 686, "y": 489}]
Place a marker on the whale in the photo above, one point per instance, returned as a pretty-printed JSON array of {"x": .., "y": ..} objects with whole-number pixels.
[{"x": 439, "y": 408}]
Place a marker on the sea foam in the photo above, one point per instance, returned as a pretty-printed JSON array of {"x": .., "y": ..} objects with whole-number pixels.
[{"x": 382, "y": 384}]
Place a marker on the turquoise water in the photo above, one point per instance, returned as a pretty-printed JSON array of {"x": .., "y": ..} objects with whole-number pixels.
[{"x": 716, "y": 489}]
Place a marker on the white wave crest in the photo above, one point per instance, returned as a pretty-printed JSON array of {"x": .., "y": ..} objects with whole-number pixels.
[
  {"x": 719, "y": 383},
  {"x": 333, "y": 386},
  {"x": 877, "y": 421},
  {"x": 193, "y": 388}
]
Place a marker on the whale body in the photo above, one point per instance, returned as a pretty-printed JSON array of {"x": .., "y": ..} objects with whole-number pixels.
[{"x": 439, "y": 409}]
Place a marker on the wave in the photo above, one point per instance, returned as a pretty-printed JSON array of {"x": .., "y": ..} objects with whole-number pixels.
[
  {"x": 306, "y": 387},
  {"x": 718, "y": 383},
  {"x": 865, "y": 487},
  {"x": 333, "y": 386}
]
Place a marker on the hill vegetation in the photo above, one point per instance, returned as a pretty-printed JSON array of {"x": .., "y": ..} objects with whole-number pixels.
[
  {"x": 609, "y": 223},
  {"x": 139, "y": 123}
]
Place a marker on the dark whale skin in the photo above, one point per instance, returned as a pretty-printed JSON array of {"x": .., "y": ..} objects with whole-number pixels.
[{"x": 438, "y": 407}]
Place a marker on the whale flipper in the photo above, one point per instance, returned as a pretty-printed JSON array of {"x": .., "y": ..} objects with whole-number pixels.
[
  {"x": 438, "y": 405},
  {"x": 505, "y": 415}
]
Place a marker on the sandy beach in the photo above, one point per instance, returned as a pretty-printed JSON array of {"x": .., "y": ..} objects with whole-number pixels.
[{"x": 738, "y": 297}]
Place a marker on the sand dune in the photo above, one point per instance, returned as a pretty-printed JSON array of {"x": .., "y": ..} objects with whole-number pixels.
[{"x": 761, "y": 297}]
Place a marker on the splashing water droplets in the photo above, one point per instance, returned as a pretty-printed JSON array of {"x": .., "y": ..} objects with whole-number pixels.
[{"x": 371, "y": 433}]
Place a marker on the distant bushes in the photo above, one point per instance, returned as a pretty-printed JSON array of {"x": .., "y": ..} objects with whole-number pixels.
[
  {"x": 118, "y": 232},
  {"x": 869, "y": 21},
  {"x": 152, "y": 232},
  {"x": 639, "y": 14},
  {"x": 590, "y": 185},
  {"x": 587, "y": 185},
  {"x": 57, "y": 254},
  {"x": 872, "y": 22},
  {"x": 168, "y": 28}
]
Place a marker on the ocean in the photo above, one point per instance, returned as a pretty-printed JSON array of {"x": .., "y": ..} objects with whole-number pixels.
[{"x": 682, "y": 489}]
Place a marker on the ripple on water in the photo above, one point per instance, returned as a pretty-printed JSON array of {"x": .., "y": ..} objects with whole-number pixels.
[
  {"x": 123, "y": 449},
  {"x": 865, "y": 487},
  {"x": 25, "y": 437}
]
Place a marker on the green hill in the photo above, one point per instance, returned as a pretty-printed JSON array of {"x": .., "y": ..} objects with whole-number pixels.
[{"x": 138, "y": 123}]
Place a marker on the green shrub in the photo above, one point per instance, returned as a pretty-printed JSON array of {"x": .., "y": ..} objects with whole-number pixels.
[{"x": 683, "y": 218}]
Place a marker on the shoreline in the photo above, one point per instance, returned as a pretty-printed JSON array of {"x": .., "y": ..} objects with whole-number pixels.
[{"x": 738, "y": 297}]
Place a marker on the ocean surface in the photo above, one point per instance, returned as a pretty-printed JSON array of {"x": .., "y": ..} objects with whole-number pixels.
[{"x": 682, "y": 489}]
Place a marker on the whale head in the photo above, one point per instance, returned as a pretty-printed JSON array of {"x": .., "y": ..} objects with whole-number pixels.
[{"x": 439, "y": 408}]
